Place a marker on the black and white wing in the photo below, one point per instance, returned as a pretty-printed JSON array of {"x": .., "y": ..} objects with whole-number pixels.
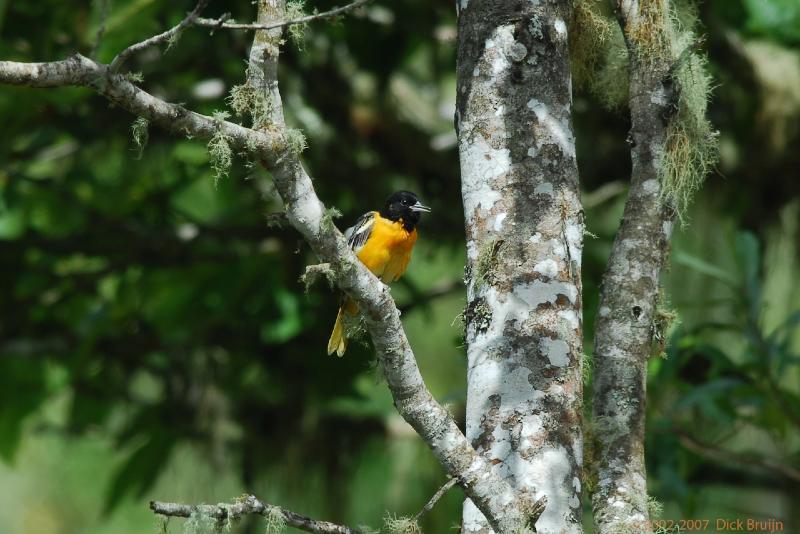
[{"x": 358, "y": 234}]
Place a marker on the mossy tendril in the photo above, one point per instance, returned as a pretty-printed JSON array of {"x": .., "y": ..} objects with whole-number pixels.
[
  {"x": 691, "y": 147},
  {"x": 274, "y": 521},
  {"x": 486, "y": 263},
  {"x": 134, "y": 77},
  {"x": 654, "y": 508},
  {"x": 661, "y": 35},
  {"x": 328, "y": 217},
  {"x": 401, "y": 525},
  {"x": 219, "y": 149},
  {"x": 199, "y": 523},
  {"x": 295, "y": 9},
  {"x": 140, "y": 134},
  {"x": 590, "y": 34},
  {"x": 244, "y": 100},
  {"x": 295, "y": 140}
]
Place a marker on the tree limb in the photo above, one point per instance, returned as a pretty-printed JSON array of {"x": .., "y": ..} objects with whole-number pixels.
[
  {"x": 715, "y": 453},
  {"x": 249, "y": 505},
  {"x": 160, "y": 38},
  {"x": 491, "y": 494},
  {"x": 221, "y": 22},
  {"x": 630, "y": 286},
  {"x": 435, "y": 498}
]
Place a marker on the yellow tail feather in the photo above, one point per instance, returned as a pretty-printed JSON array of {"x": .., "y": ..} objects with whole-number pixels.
[{"x": 338, "y": 341}]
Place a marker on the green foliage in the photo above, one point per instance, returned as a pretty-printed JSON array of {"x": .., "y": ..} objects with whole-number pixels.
[
  {"x": 143, "y": 466},
  {"x": 776, "y": 19},
  {"x": 711, "y": 386},
  {"x": 138, "y": 297}
]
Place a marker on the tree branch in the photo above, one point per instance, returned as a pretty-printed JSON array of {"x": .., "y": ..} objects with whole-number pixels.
[
  {"x": 249, "y": 505},
  {"x": 221, "y": 23},
  {"x": 745, "y": 460},
  {"x": 491, "y": 494},
  {"x": 435, "y": 498},
  {"x": 160, "y": 38},
  {"x": 630, "y": 286}
]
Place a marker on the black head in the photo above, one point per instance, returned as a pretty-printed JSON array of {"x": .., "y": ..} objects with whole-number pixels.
[{"x": 404, "y": 206}]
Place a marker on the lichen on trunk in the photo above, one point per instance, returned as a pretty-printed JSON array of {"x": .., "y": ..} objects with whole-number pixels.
[{"x": 524, "y": 230}]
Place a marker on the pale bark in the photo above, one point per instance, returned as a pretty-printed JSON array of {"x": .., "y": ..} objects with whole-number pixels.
[
  {"x": 506, "y": 511},
  {"x": 223, "y": 513},
  {"x": 524, "y": 231},
  {"x": 630, "y": 288}
]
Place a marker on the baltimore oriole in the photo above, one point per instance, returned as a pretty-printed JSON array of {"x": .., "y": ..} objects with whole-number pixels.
[{"x": 383, "y": 241}]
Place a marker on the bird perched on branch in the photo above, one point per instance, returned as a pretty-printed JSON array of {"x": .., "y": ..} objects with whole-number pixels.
[{"x": 383, "y": 241}]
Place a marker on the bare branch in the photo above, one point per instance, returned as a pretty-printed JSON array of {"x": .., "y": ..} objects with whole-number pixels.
[
  {"x": 629, "y": 297},
  {"x": 101, "y": 27},
  {"x": 716, "y": 453},
  {"x": 79, "y": 70},
  {"x": 435, "y": 498},
  {"x": 221, "y": 23},
  {"x": 491, "y": 493},
  {"x": 160, "y": 38},
  {"x": 249, "y": 505}
]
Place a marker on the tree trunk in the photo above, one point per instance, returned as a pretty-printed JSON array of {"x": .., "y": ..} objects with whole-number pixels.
[
  {"x": 524, "y": 232},
  {"x": 630, "y": 287}
]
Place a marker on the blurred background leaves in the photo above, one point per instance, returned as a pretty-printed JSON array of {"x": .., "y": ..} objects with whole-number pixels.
[{"x": 155, "y": 341}]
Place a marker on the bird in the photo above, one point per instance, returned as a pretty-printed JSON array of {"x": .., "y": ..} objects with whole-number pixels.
[{"x": 383, "y": 240}]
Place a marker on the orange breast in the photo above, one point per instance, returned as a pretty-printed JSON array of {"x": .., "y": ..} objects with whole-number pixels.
[{"x": 388, "y": 249}]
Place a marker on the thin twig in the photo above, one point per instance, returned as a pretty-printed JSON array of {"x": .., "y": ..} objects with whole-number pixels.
[
  {"x": 101, "y": 28},
  {"x": 717, "y": 453},
  {"x": 160, "y": 38},
  {"x": 221, "y": 24},
  {"x": 439, "y": 290},
  {"x": 249, "y": 505},
  {"x": 436, "y": 496}
]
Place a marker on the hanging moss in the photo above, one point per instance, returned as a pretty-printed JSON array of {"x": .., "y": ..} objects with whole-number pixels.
[
  {"x": 691, "y": 148},
  {"x": 245, "y": 101},
  {"x": 590, "y": 33},
  {"x": 295, "y": 140},
  {"x": 401, "y": 525},
  {"x": 598, "y": 56},
  {"x": 274, "y": 522},
  {"x": 295, "y": 9},
  {"x": 140, "y": 134},
  {"x": 660, "y": 36},
  {"x": 199, "y": 523}
]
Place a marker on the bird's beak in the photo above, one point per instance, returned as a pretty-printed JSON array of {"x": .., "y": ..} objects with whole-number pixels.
[{"x": 420, "y": 207}]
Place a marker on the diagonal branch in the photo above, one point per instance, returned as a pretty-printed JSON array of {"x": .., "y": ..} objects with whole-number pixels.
[
  {"x": 249, "y": 505},
  {"x": 221, "y": 23},
  {"x": 629, "y": 294},
  {"x": 435, "y": 498},
  {"x": 716, "y": 453},
  {"x": 491, "y": 494},
  {"x": 160, "y": 38}
]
